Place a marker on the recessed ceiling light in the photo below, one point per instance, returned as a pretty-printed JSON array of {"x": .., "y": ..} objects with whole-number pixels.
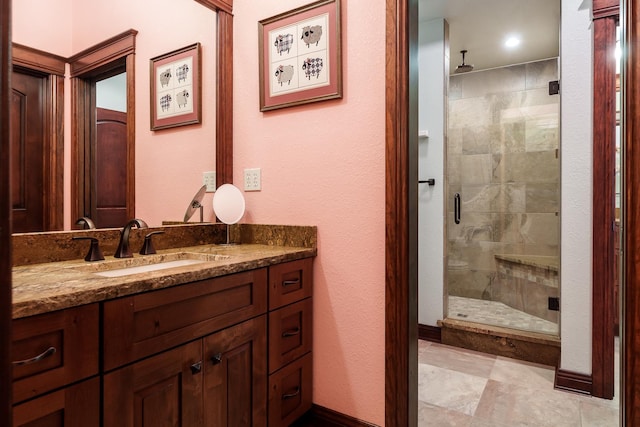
[{"x": 512, "y": 41}]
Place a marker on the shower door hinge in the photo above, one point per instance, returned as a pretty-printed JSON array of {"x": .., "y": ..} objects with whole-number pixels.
[
  {"x": 554, "y": 303},
  {"x": 554, "y": 87}
]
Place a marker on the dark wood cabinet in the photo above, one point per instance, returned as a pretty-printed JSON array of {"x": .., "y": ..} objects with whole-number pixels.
[
  {"x": 54, "y": 349},
  {"x": 235, "y": 375},
  {"x": 290, "y": 341},
  {"x": 231, "y": 351},
  {"x": 75, "y": 406},
  {"x": 163, "y": 390},
  {"x": 55, "y": 369}
]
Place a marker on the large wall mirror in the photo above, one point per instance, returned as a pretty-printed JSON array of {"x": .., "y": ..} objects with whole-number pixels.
[{"x": 169, "y": 164}]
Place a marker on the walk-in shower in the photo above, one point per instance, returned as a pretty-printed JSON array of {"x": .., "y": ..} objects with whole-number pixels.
[{"x": 503, "y": 197}]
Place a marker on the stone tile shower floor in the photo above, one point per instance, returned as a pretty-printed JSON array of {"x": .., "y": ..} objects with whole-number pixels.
[
  {"x": 464, "y": 388},
  {"x": 498, "y": 314}
]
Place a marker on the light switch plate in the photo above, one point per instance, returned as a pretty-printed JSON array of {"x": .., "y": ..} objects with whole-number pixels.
[
  {"x": 252, "y": 180},
  {"x": 209, "y": 179}
]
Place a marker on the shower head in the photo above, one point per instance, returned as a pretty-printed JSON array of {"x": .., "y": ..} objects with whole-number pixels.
[{"x": 463, "y": 68}]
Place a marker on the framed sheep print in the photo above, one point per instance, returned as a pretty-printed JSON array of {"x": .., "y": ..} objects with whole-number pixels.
[
  {"x": 176, "y": 88},
  {"x": 300, "y": 56}
]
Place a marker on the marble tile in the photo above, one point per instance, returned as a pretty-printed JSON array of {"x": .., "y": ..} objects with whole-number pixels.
[
  {"x": 525, "y": 406},
  {"x": 541, "y": 167},
  {"x": 512, "y": 138},
  {"x": 476, "y": 169},
  {"x": 542, "y": 197},
  {"x": 458, "y": 359},
  {"x": 520, "y": 372},
  {"x": 598, "y": 415},
  {"x": 435, "y": 416},
  {"x": 540, "y": 73},
  {"x": 506, "y": 79},
  {"x": 497, "y": 314},
  {"x": 462, "y": 392},
  {"x": 470, "y": 112}
]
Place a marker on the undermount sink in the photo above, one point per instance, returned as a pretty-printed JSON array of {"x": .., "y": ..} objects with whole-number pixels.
[{"x": 146, "y": 264}]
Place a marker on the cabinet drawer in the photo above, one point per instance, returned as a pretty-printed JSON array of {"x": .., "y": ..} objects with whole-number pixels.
[
  {"x": 290, "y": 392},
  {"x": 54, "y": 349},
  {"x": 74, "y": 406},
  {"x": 290, "y": 282},
  {"x": 289, "y": 333},
  {"x": 145, "y": 324}
]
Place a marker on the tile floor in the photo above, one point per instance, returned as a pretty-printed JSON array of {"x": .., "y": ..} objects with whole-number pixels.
[
  {"x": 498, "y": 314},
  {"x": 464, "y": 388}
]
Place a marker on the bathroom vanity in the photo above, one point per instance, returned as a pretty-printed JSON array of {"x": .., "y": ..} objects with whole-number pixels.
[{"x": 221, "y": 342}]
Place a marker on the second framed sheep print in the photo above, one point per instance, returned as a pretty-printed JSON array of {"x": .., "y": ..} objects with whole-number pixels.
[
  {"x": 175, "y": 88},
  {"x": 300, "y": 56}
]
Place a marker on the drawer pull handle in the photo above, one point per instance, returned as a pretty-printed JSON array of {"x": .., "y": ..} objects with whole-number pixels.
[
  {"x": 290, "y": 282},
  {"x": 291, "y": 395},
  {"x": 216, "y": 358},
  {"x": 291, "y": 333},
  {"x": 196, "y": 368},
  {"x": 48, "y": 352}
]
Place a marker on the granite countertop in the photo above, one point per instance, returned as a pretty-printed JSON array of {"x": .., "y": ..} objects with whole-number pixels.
[{"x": 45, "y": 287}]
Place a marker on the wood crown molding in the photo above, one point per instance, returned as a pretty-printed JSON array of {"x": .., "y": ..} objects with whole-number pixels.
[
  {"x": 103, "y": 53},
  {"x": 216, "y": 5},
  {"x": 39, "y": 60}
]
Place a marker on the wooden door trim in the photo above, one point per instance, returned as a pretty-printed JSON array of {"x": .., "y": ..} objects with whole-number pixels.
[
  {"x": 631, "y": 215},
  {"x": 604, "y": 142},
  {"x": 85, "y": 66},
  {"x": 51, "y": 67},
  {"x": 5, "y": 211},
  {"x": 401, "y": 133}
]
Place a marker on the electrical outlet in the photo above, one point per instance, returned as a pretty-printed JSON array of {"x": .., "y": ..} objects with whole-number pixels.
[
  {"x": 252, "y": 181},
  {"x": 209, "y": 179}
]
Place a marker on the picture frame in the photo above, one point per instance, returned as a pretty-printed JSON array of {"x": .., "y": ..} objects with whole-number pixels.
[
  {"x": 300, "y": 56},
  {"x": 176, "y": 88}
]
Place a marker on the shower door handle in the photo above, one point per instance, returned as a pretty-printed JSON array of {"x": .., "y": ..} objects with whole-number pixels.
[{"x": 456, "y": 208}]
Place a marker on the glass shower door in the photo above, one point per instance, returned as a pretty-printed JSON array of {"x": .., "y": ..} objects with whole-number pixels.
[{"x": 503, "y": 197}]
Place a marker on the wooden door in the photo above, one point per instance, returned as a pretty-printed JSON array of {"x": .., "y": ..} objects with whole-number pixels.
[
  {"x": 162, "y": 391},
  {"x": 235, "y": 375},
  {"x": 74, "y": 406},
  {"x": 109, "y": 186},
  {"x": 27, "y": 152}
]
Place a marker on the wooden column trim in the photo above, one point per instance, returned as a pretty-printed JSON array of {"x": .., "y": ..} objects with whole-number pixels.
[
  {"x": 217, "y": 5},
  {"x": 604, "y": 163},
  {"x": 5, "y": 213},
  {"x": 224, "y": 101},
  {"x": 103, "y": 53},
  {"x": 401, "y": 130},
  {"x": 631, "y": 215},
  {"x": 131, "y": 135}
]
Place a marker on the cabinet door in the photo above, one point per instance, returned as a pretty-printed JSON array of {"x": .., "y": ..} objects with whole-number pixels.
[
  {"x": 74, "y": 406},
  {"x": 162, "y": 391},
  {"x": 235, "y": 376}
]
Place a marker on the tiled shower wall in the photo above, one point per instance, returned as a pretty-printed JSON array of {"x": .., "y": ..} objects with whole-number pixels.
[{"x": 502, "y": 158}]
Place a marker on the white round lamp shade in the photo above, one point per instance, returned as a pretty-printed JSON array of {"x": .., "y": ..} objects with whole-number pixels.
[{"x": 228, "y": 203}]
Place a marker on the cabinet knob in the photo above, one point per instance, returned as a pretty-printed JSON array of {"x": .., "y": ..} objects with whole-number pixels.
[
  {"x": 196, "y": 368},
  {"x": 216, "y": 358}
]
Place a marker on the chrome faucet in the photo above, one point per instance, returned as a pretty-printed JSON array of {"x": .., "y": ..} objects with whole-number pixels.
[{"x": 123, "y": 250}]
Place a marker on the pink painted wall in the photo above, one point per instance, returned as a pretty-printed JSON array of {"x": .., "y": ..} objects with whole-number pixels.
[
  {"x": 169, "y": 163},
  {"x": 323, "y": 165}
]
